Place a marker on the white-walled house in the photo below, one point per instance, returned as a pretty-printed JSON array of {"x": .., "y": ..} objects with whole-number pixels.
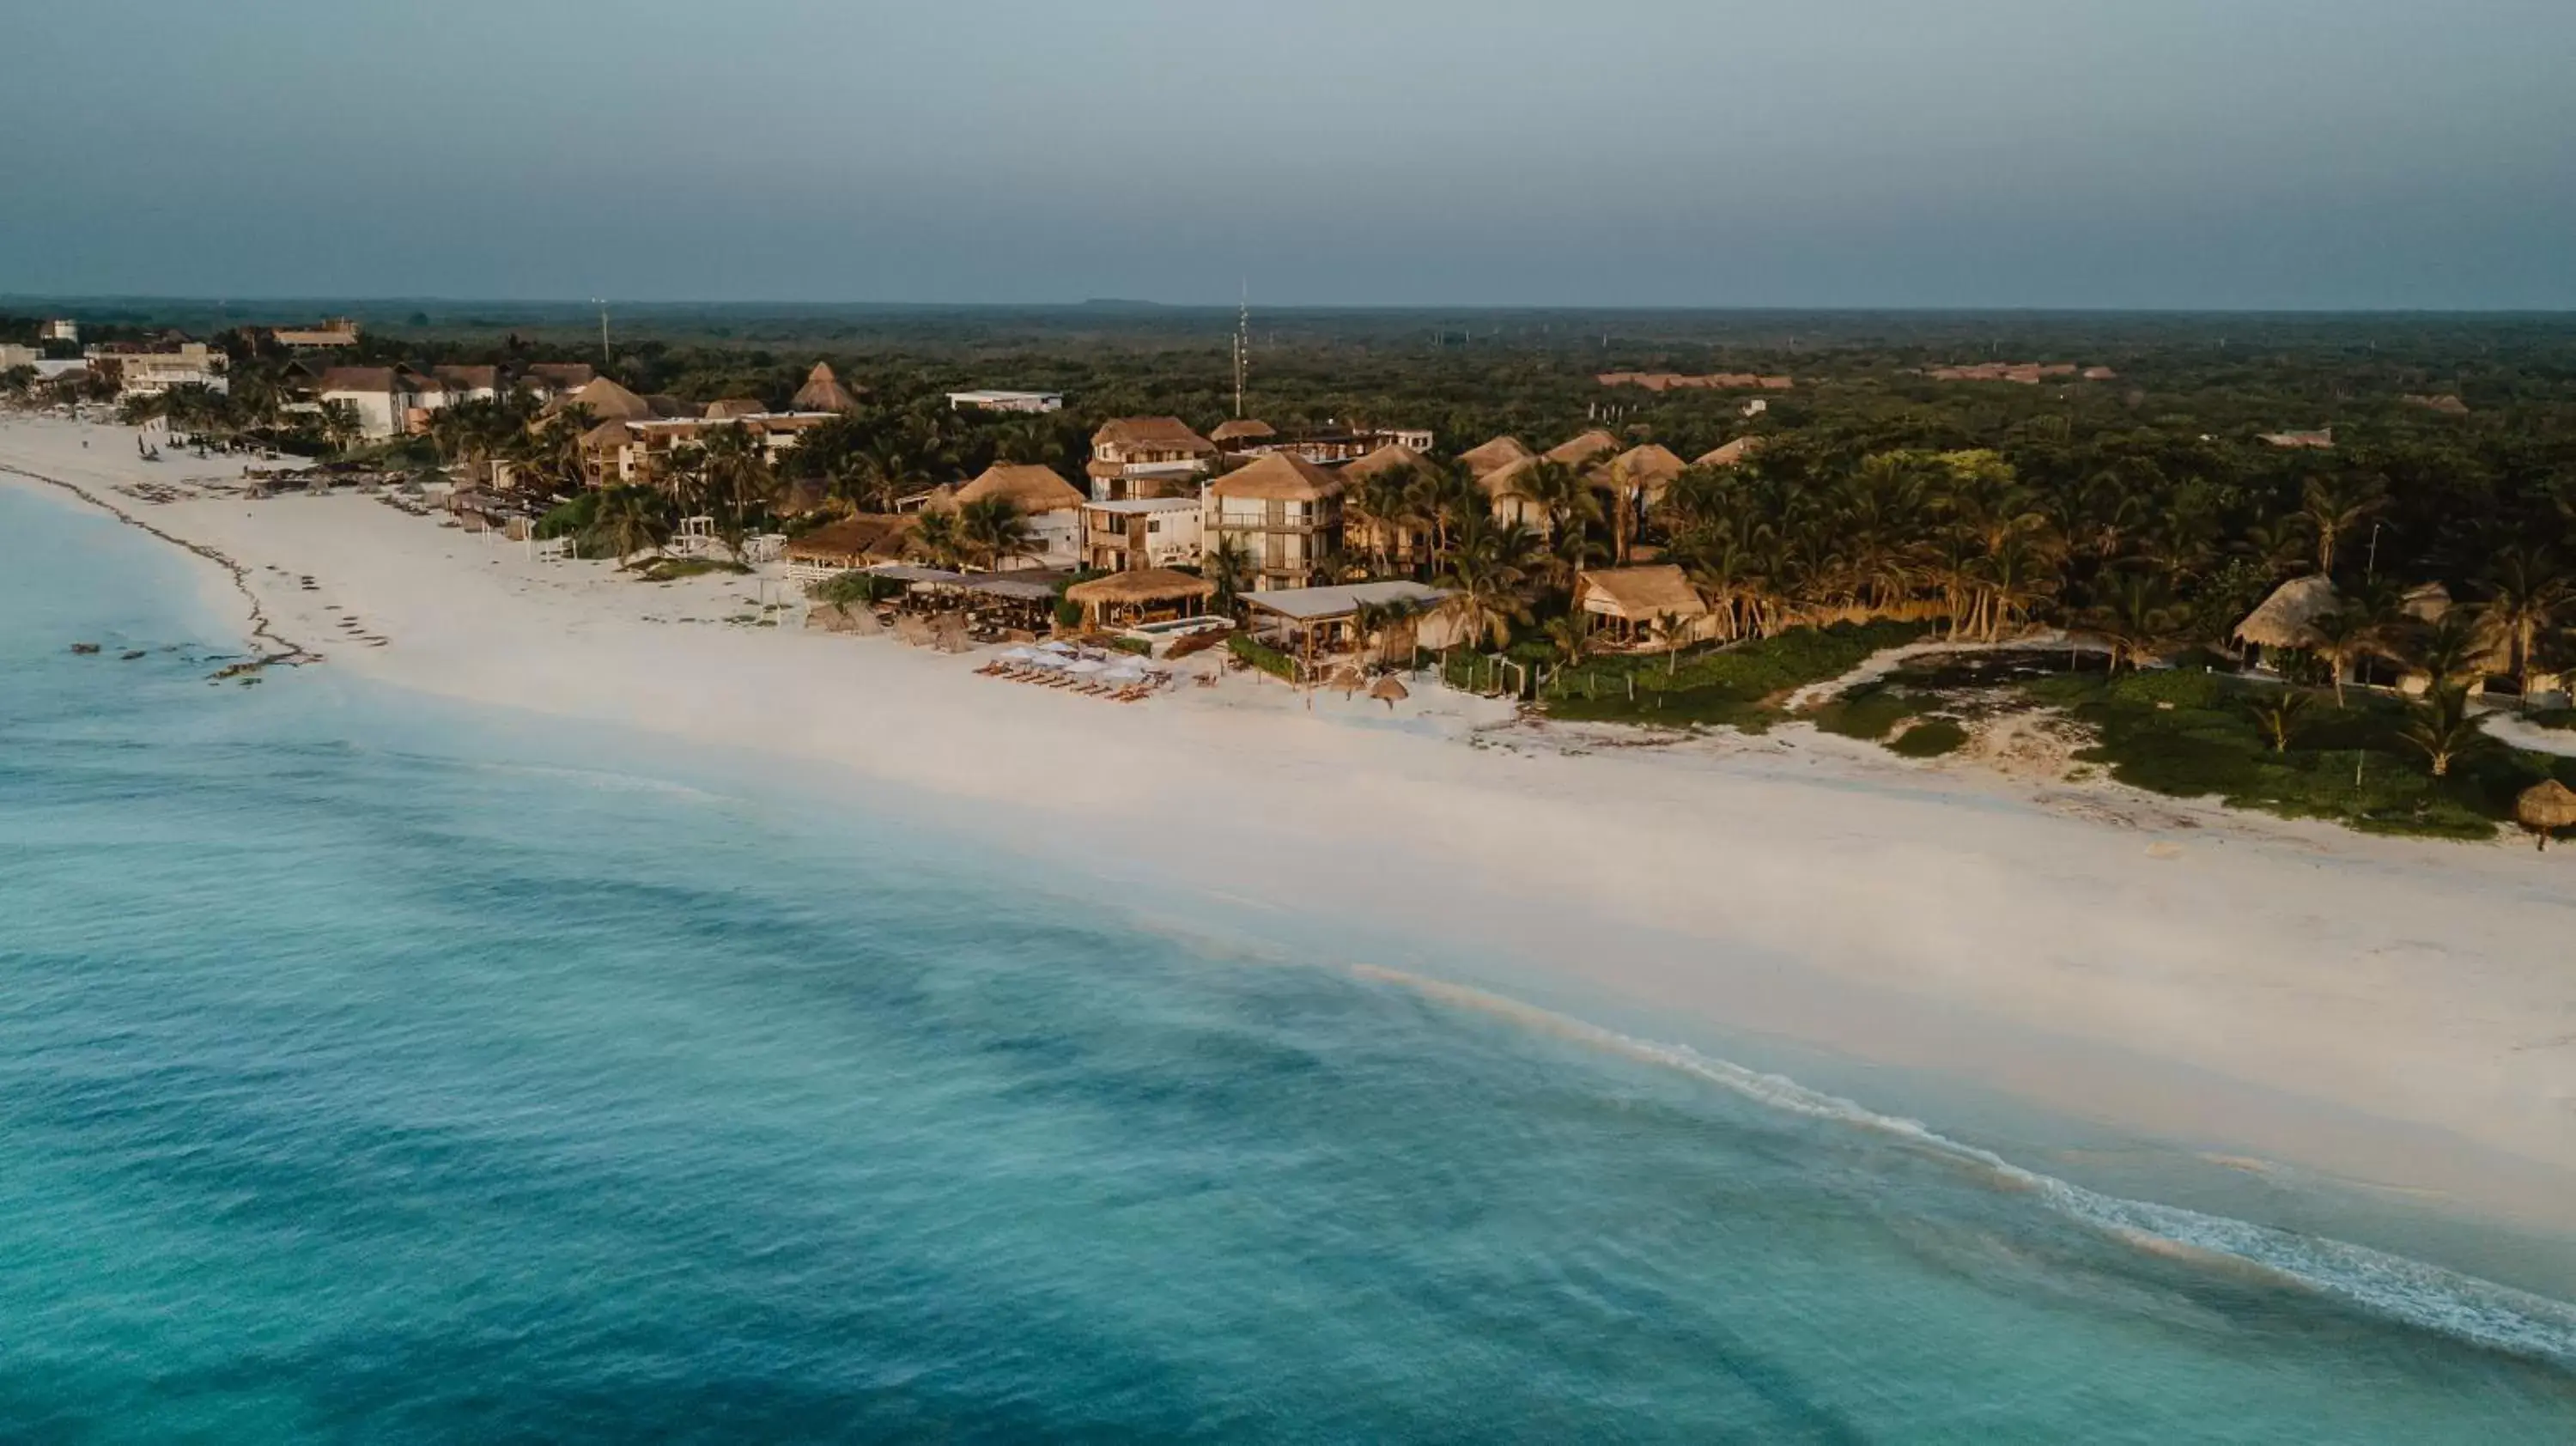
[
  {"x": 1051, "y": 507},
  {"x": 388, "y": 401},
  {"x": 1142, "y": 532}
]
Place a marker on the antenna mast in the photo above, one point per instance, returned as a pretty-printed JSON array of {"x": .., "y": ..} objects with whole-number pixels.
[
  {"x": 602, "y": 303},
  {"x": 1242, "y": 347}
]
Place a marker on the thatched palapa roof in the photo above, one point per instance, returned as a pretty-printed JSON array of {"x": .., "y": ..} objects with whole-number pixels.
[
  {"x": 1730, "y": 454},
  {"x": 854, "y": 541},
  {"x": 1576, "y": 451},
  {"x": 1242, "y": 429},
  {"x": 2287, "y": 619},
  {"x": 1494, "y": 456},
  {"x": 1650, "y": 468},
  {"x": 1640, "y": 594},
  {"x": 1144, "y": 585},
  {"x": 1393, "y": 457},
  {"x": 1168, "y": 434},
  {"x": 2547, "y": 804},
  {"x": 1030, "y": 487},
  {"x": 606, "y": 401},
  {"x": 1279, "y": 477},
  {"x": 611, "y": 433},
  {"x": 725, "y": 409},
  {"x": 823, "y": 392}
]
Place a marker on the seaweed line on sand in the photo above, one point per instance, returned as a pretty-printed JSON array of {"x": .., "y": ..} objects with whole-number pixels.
[{"x": 289, "y": 652}]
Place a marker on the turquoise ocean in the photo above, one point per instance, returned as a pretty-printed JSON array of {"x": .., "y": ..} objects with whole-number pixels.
[{"x": 375, "y": 1070}]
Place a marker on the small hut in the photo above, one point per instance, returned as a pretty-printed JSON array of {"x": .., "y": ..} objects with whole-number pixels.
[
  {"x": 1634, "y": 599},
  {"x": 2287, "y": 620},
  {"x": 1645, "y": 471},
  {"x": 823, "y": 392},
  {"x": 2546, "y": 807},
  {"x": 1146, "y": 595}
]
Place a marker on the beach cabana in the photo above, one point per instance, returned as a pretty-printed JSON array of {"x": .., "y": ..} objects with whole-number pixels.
[
  {"x": 1146, "y": 595},
  {"x": 2546, "y": 807},
  {"x": 2286, "y": 620},
  {"x": 1632, "y": 601}
]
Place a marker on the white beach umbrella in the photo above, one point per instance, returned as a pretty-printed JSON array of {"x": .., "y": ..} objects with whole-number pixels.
[
  {"x": 1020, "y": 655},
  {"x": 1056, "y": 648},
  {"x": 1085, "y": 665}
]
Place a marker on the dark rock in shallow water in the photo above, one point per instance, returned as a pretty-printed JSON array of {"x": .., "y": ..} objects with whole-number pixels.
[
  {"x": 130, "y": 657},
  {"x": 84, "y": 647}
]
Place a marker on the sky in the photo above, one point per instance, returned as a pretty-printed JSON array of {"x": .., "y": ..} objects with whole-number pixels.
[{"x": 2341, "y": 154}]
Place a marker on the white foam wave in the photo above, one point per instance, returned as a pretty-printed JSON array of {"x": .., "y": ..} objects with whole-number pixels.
[{"x": 2392, "y": 1286}]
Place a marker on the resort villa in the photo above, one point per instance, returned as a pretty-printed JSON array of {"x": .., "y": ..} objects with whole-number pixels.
[
  {"x": 1283, "y": 511},
  {"x": 387, "y": 401},
  {"x": 1147, "y": 457},
  {"x": 1142, "y": 532},
  {"x": 1050, "y": 506}
]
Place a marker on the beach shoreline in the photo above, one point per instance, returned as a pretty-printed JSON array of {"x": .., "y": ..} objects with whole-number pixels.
[{"x": 2386, "y": 1014}]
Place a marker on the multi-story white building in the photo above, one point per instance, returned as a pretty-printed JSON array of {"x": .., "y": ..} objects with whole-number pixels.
[
  {"x": 1006, "y": 401},
  {"x": 1142, "y": 532},
  {"x": 1147, "y": 457}
]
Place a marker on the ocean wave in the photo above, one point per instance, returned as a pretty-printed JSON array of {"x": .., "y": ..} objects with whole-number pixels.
[{"x": 2393, "y": 1287}]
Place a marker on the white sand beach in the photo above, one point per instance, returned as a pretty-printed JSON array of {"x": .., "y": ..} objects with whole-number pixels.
[{"x": 2395, "y": 1014}]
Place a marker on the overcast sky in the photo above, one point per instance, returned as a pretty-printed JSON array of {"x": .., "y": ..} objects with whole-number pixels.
[{"x": 2045, "y": 153}]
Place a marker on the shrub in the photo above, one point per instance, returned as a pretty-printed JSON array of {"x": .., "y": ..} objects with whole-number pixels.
[
  {"x": 1870, "y": 711},
  {"x": 569, "y": 519},
  {"x": 1930, "y": 739},
  {"x": 1268, "y": 659},
  {"x": 851, "y": 589}
]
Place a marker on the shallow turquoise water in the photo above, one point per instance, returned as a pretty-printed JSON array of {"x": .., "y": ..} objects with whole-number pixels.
[{"x": 378, "y": 1072}]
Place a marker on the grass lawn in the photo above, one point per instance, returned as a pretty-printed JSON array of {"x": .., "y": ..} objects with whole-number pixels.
[
  {"x": 2193, "y": 735},
  {"x": 1738, "y": 686}
]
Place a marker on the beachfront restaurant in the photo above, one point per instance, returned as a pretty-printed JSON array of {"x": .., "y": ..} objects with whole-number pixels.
[
  {"x": 1014, "y": 606},
  {"x": 1147, "y": 595},
  {"x": 1308, "y": 623}
]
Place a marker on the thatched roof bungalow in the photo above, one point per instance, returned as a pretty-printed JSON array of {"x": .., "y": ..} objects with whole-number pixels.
[
  {"x": 1729, "y": 454},
  {"x": 1647, "y": 470},
  {"x": 1494, "y": 456},
  {"x": 1583, "y": 450},
  {"x": 2287, "y": 619},
  {"x": 1634, "y": 600}
]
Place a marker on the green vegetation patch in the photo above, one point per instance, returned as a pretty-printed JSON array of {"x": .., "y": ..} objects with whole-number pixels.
[
  {"x": 1268, "y": 659},
  {"x": 2198, "y": 735},
  {"x": 854, "y": 589},
  {"x": 1739, "y": 686},
  {"x": 1930, "y": 738},
  {"x": 1869, "y": 711}
]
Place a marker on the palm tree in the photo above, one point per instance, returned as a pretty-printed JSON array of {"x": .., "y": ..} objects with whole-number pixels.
[
  {"x": 2442, "y": 726},
  {"x": 2280, "y": 717},
  {"x": 1229, "y": 566},
  {"x": 2527, "y": 594},
  {"x": 2449, "y": 649},
  {"x": 1485, "y": 583},
  {"x": 630, "y": 519},
  {"x": 1572, "y": 635},
  {"x": 2136, "y": 617},
  {"x": 937, "y": 539},
  {"x": 2334, "y": 505},
  {"x": 993, "y": 531},
  {"x": 2341, "y": 636},
  {"x": 1568, "y": 502}
]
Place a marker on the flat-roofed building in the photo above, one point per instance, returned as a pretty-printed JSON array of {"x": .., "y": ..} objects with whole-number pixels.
[{"x": 992, "y": 399}]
